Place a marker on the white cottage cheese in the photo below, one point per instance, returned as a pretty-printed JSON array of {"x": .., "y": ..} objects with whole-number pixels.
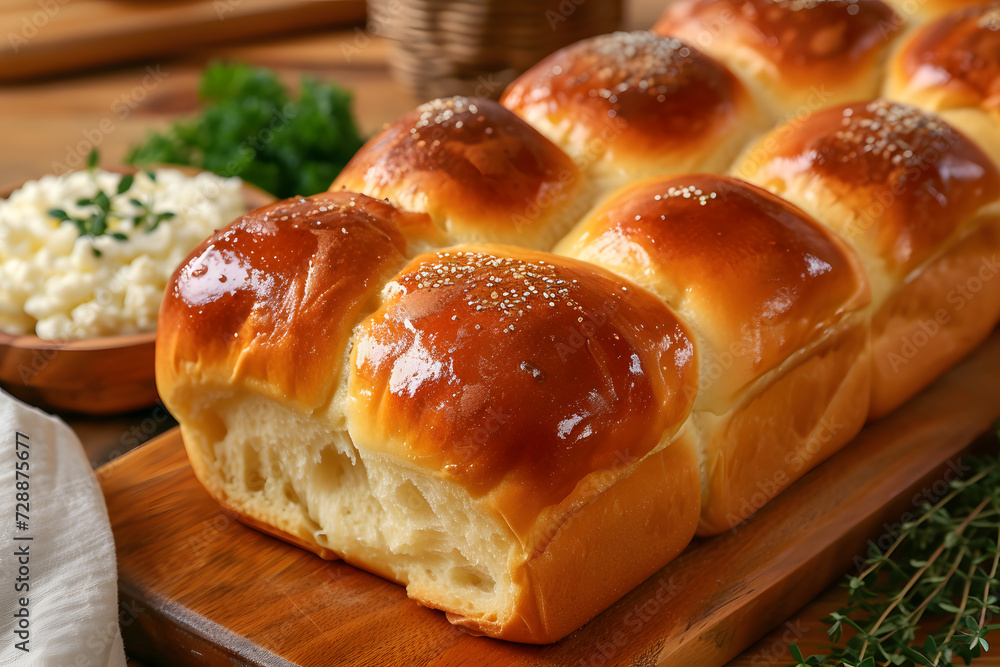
[{"x": 52, "y": 282}]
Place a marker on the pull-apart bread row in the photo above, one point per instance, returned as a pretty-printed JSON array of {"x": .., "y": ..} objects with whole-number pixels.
[{"x": 522, "y": 352}]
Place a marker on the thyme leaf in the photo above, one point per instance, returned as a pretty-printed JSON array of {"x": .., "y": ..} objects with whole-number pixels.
[
  {"x": 928, "y": 599},
  {"x": 100, "y": 210}
]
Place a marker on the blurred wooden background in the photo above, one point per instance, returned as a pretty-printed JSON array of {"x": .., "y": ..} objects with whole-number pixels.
[{"x": 82, "y": 74}]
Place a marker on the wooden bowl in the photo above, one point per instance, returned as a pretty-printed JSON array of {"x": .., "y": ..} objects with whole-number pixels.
[{"x": 97, "y": 376}]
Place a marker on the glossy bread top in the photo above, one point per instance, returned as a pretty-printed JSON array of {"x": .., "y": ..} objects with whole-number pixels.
[
  {"x": 909, "y": 179},
  {"x": 802, "y": 43},
  {"x": 482, "y": 173},
  {"x": 271, "y": 299},
  {"x": 952, "y": 62},
  {"x": 510, "y": 370},
  {"x": 929, "y": 9},
  {"x": 759, "y": 277},
  {"x": 631, "y": 94}
]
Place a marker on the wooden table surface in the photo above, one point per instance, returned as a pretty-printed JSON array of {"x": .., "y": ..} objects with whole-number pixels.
[{"x": 55, "y": 121}]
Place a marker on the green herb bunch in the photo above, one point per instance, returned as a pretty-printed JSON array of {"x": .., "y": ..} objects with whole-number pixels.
[
  {"x": 99, "y": 210},
  {"x": 930, "y": 597},
  {"x": 251, "y": 128}
]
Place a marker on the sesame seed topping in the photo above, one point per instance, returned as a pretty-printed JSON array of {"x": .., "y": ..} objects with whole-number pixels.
[
  {"x": 882, "y": 140},
  {"x": 990, "y": 20},
  {"x": 445, "y": 112},
  {"x": 685, "y": 192},
  {"x": 799, "y": 5},
  {"x": 633, "y": 62},
  {"x": 533, "y": 370},
  {"x": 494, "y": 284}
]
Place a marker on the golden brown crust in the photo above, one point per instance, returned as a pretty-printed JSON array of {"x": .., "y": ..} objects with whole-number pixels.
[
  {"x": 653, "y": 508},
  {"x": 271, "y": 299},
  {"x": 936, "y": 318},
  {"x": 635, "y": 99},
  {"x": 928, "y": 9},
  {"x": 563, "y": 403},
  {"x": 784, "y": 426},
  {"x": 800, "y": 46},
  {"x": 507, "y": 369},
  {"x": 742, "y": 264},
  {"x": 951, "y": 62},
  {"x": 478, "y": 170},
  {"x": 908, "y": 179}
]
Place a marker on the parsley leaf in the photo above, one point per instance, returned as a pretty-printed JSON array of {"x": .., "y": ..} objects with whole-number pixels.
[{"x": 250, "y": 127}]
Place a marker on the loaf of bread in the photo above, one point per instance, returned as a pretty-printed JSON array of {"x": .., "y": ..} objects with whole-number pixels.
[
  {"x": 794, "y": 55},
  {"x": 453, "y": 422},
  {"x": 478, "y": 170},
  {"x": 515, "y": 361},
  {"x": 920, "y": 203},
  {"x": 631, "y": 105},
  {"x": 919, "y": 11},
  {"x": 775, "y": 303},
  {"x": 949, "y": 66}
]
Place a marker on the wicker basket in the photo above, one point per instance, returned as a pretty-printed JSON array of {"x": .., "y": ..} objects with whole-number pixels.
[{"x": 464, "y": 47}]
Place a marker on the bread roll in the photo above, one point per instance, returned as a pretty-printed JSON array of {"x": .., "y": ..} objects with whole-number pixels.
[
  {"x": 796, "y": 56},
  {"x": 918, "y": 200},
  {"x": 774, "y": 301},
  {"x": 951, "y": 66},
  {"x": 520, "y": 437},
  {"x": 950, "y": 63},
  {"x": 631, "y": 105},
  {"x": 919, "y": 11},
  {"x": 506, "y": 421},
  {"x": 265, "y": 310},
  {"x": 478, "y": 170}
]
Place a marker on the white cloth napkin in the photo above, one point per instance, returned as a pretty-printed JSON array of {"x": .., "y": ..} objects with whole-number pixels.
[{"x": 66, "y": 572}]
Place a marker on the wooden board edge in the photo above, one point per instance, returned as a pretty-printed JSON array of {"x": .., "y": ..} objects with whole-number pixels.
[{"x": 942, "y": 421}]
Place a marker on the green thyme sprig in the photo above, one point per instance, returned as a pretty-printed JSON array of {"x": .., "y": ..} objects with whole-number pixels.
[
  {"x": 95, "y": 221},
  {"x": 930, "y": 597}
]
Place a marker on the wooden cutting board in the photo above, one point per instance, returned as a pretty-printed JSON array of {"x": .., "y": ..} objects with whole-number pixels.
[
  {"x": 45, "y": 37},
  {"x": 198, "y": 588}
]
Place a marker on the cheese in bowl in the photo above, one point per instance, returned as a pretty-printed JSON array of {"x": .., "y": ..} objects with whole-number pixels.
[{"x": 88, "y": 254}]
